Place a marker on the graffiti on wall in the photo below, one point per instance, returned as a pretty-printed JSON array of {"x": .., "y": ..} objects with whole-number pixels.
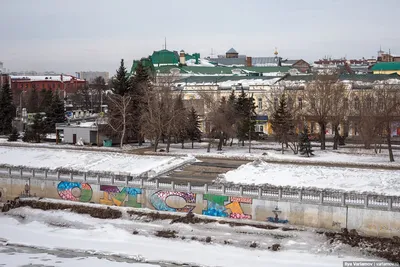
[
  {"x": 123, "y": 196},
  {"x": 224, "y": 206},
  {"x": 276, "y": 218},
  {"x": 75, "y": 191},
  {"x": 184, "y": 202}
]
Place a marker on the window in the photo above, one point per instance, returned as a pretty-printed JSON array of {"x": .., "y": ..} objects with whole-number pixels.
[
  {"x": 290, "y": 102},
  {"x": 345, "y": 104},
  {"x": 312, "y": 103},
  {"x": 261, "y": 128},
  {"x": 300, "y": 103},
  {"x": 380, "y": 104},
  {"x": 260, "y": 103},
  {"x": 369, "y": 102},
  {"x": 356, "y": 103}
]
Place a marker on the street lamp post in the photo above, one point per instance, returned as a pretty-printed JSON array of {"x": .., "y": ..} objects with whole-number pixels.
[{"x": 20, "y": 102}]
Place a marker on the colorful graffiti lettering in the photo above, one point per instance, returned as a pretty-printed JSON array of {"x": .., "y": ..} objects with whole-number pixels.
[
  {"x": 224, "y": 206},
  {"x": 75, "y": 191},
  {"x": 159, "y": 201},
  {"x": 126, "y": 196}
]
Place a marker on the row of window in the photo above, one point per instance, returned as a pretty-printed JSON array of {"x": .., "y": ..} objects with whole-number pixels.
[{"x": 44, "y": 86}]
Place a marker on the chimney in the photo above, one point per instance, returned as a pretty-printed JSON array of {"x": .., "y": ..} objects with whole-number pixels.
[
  {"x": 248, "y": 62},
  {"x": 182, "y": 59}
]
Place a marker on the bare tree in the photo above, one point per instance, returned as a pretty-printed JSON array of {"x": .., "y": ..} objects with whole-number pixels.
[
  {"x": 388, "y": 110},
  {"x": 338, "y": 110},
  {"x": 318, "y": 95},
  {"x": 119, "y": 117}
]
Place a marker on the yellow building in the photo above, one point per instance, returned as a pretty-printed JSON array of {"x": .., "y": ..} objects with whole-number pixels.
[{"x": 386, "y": 68}]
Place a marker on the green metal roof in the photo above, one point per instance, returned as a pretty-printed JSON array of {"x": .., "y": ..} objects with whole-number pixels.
[
  {"x": 386, "y": 66},
  {"x": 164, "y": 57}
]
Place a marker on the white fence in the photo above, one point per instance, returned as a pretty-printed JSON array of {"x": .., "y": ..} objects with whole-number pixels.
[{"x": 320, "y": 197}]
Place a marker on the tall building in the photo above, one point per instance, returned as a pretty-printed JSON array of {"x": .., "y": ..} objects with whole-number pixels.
[
  {"x": 90, "y": 76},
  {"x": 2, "y": 70}
]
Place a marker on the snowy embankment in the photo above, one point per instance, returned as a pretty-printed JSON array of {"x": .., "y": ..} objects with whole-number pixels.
[
  {"x": 85, "y": 161},
  {"x": 349, "y": 179},
  {"x": 85, "y": 237}
]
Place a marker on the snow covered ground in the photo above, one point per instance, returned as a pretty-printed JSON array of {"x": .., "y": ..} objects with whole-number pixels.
[
  {"x": 348, "y": 179},
  {"x": 87, "y": 160},
  {"x": 47, "y": 234},
  {"x": 268, "y": 151}
]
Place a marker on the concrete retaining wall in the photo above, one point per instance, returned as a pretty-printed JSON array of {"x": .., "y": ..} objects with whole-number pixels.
[{"x": 239, "y": 204}]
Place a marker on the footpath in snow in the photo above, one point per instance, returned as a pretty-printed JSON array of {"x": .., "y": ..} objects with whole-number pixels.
[
  {"x": 88, "y": 160},
  {"x": 84, "y": 237},
  {"x": 349, "y": 179}
]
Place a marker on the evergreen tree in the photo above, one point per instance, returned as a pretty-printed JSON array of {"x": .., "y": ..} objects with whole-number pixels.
[
  {"x": 120, "y": 82},
  {"x": 7, "y": 110},
  {"x": 305, "y": 144},
  {"x": 180, "y": 120},
  {"x": 56, "y": 114},
  {"x": 33, "y": 101},
  {"x": 36, "y": 130},
  {"x": 140, "y": 83},
  {"x": 14, "y": 135},
  {"x": 193, "y": 126},
  {"x": 282, "y": 122},
  {"x": 245, "y": 108},
  {"x": 46, "y": 100}
]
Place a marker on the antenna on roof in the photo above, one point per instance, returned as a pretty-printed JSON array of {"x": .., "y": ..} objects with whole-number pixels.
[{"x": 165, "y": 43}]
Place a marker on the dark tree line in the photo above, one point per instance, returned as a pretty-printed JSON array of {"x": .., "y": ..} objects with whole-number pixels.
[
  {"x": 7, "y": 110},
  {"x": 231, "y": 118},
  {"x": 138, "y": 109}
]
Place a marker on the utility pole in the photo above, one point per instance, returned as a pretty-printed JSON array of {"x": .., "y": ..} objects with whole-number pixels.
[{"x": 250, "y": 101}]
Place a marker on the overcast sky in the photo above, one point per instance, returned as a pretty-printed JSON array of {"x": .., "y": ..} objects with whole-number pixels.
[{"x": 79, "y": 35}]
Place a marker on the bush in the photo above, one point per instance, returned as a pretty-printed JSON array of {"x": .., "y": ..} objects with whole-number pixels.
[{"x": 14, "y": 135}]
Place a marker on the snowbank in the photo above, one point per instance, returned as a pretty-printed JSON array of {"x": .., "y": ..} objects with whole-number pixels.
[
  {"x": 88, "y": 161},
  {"x": 60, "y": 230},
  {"x": 348, "y": 179}
]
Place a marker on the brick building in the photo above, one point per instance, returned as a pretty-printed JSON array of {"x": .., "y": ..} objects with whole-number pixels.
[{"x": 67, "y": 83}]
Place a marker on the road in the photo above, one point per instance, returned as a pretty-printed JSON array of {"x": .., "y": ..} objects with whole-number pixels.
[{"x": 202, "y": 172}]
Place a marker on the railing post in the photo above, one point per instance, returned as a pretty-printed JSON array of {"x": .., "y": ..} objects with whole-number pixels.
[
  {"x": 189, "y": 187},
  {"x": 45, "y": 174},
  {"x": 205, "y": 188},
  {"x": 98, "y": 178},
  {"x": 259, "y": 193},
  {"x": 366, "y": 201},
  {"x": 21, "y": 173},
  {"x": 321, "y": 197},
  {"x": 58, "y": 175},
  {"x": 84, "y": 176},
  {"x": 343, "y": 199},
  {"x": 301, "y": 195},
  {"x": 71, "y": 176},
  {"x": 280, "y": 193},
  {"x": 390, "y": 203},
  {"x": 141, "y": 182},
  {"x": 241, "y": 190},
  {"x": 113, "y": 178},
  {"x": 223, "y": 189},
  {"x": 157, "y": 185},
  {"x": 173, "y": 185},
  {"x": 33, "y": 173},
  {"x": 9, "y": 172}
]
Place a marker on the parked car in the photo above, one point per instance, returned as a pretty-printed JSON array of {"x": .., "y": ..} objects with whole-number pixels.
[{"x": 259, "y": 136}]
